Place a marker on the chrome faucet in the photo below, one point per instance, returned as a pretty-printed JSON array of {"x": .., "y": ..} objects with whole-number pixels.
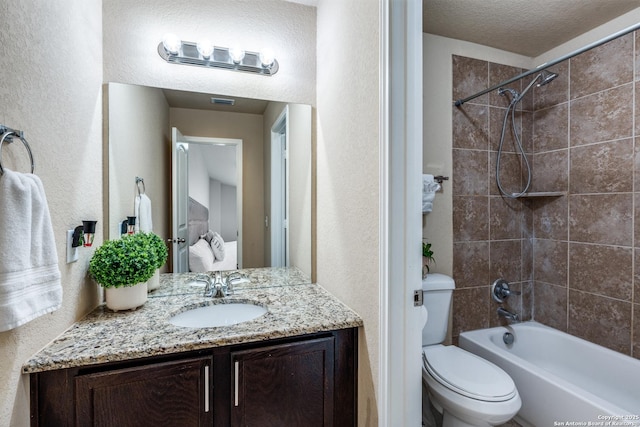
[
  {"x": 214, "y": 286},
  {"x": 507, "y": 314},
  {"x": 229, "y": 281},
  {"x": 218, "y": 287}
]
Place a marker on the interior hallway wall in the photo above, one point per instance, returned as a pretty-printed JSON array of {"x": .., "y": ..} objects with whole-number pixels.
[{"x": 52, "y": 90}]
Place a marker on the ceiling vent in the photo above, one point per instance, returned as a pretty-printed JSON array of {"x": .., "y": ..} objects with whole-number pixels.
[{"x": 223, "y": 101}]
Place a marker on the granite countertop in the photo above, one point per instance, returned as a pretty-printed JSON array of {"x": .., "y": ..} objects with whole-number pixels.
[{"x": 294, "y": 307}]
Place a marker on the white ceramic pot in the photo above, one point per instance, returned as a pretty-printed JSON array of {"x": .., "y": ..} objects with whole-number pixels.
[
  {"x": 154, "y": 282},
  {"x": 126, "y": 298}
]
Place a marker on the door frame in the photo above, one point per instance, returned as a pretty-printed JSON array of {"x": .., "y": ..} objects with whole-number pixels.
[
  {"x": 280, "y": 127},
  {"x": 401, "y": 105}
]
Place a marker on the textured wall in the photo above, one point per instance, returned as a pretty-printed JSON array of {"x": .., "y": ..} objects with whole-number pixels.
[
  {"x": 132, "y": 31},
  {"x": 575, "y": 255},
  {"x": 51, "y": 88},
  {"x": 348, "y": 189}
]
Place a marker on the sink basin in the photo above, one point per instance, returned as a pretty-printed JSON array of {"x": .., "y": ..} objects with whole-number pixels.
[{"x": 218, "y": 315}]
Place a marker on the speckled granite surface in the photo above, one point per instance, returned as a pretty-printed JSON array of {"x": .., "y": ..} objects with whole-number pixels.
[{"x": 106, "y": 336}]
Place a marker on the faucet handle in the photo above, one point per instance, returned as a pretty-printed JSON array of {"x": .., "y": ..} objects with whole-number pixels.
[{"x": 500, "y": 290}]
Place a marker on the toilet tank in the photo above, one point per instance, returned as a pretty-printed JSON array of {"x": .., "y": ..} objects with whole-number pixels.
[{"x": 437, "y": 290}]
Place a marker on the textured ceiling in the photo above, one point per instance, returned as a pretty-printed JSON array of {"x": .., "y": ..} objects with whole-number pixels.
[{"x": 525, "y": 27}]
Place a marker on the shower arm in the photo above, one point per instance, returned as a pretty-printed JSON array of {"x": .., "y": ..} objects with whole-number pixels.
[{"x": 546, "y": 65}]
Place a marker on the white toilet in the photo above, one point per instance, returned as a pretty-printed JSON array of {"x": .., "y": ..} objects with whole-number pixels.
[{"x": 467, "y": 390}]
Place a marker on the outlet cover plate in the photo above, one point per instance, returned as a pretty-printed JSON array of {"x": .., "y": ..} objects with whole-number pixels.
[{"x": 72, "y": 253}]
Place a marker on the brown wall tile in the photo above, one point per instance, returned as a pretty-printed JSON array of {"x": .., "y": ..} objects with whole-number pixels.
[
  {"x": 470, "y": 309},
  {"x": 550, "y": 261},
  {"x": 603, "y": 116},
  {"x": 505, "y": 260},
  {"x": 550, "y": 171},
  {"x": 510, "y": 173},
  {"x": 471, "y": 127},
  {"x": 498, "y": 73},
  {"x": 471, "y": 264},
  {"x": 602, "y": 168},
  {"x": 602, "y": 270},
  {"x": 550, "y": 128},
  {"x": 470, "y": 172},
  {"x": 469, "y": 77},
  {"x": 470, "y": 218},
  {"x": 601, "y": 320},
  {"x": 550, "y": 219},
  {"x": 550, "y": 305},
  {"x": 496, "y": 120},
  {"x": 603, "y": 67},
  {"x": 506, "y": 218},
  {"x": 592, "y": 218}
]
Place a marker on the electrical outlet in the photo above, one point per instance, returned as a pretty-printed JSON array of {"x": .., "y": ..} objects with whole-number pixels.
[{"x": 72, "y": 253}]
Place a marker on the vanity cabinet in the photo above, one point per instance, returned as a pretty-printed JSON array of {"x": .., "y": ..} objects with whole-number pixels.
[
  {"x": 168, "y": 394},
  {"x": 287, "y": 384},
  {"x": 308, "y": 380}
]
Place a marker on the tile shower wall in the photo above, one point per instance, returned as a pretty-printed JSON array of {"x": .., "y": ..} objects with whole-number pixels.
[{"x": 575, "y": 257}]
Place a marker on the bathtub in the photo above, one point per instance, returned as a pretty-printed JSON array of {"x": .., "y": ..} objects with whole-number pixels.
[{"x": 562, "y": 380}]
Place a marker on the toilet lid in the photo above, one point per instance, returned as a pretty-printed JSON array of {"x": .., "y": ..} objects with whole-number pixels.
[{"x": 468, "y": 374}]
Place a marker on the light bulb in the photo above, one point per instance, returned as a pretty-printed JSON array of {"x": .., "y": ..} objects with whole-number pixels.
[
  {"x": 205, "y": 48},
  {"x": 236, "y": 54},
  {"x": 171, "y": 43},
  {"x": 267, "y": 57}
]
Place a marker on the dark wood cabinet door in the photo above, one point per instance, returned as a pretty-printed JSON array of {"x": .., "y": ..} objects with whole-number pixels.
[
  {"x": 164, "y": 394},
  {"x": 287, "y": 385}
]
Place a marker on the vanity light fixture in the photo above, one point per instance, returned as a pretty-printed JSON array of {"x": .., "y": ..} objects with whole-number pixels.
[{"x": 205, "y": 54}]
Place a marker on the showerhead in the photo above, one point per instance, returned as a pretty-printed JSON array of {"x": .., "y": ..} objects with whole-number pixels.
[
  {"x": 547, "y": 76},
  {"x": 544, "y": 77}
]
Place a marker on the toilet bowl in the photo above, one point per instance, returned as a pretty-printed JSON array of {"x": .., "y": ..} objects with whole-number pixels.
[{"x": 467, "y": 390}]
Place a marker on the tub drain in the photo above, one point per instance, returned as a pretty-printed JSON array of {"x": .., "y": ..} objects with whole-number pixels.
[{"x": 508, "y": 338}]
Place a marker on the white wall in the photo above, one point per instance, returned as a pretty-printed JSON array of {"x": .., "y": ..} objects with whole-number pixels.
[
  {"x": 52, "y": 90},
  {"x": 348, "y": 163},
  {"x": 215, "y": 189}
]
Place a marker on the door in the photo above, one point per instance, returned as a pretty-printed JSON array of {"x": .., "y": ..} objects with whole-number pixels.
[
  {"x": 286, "y": 385},
  {"x": 179, "y": 202},
  {"x": 163, "y": 394},
  {"x": 280, "y": 192}
]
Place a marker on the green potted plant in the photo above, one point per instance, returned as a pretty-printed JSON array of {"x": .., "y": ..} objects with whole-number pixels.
[
  {"x": 123, "y": 267},
  {"x": 427, "y": 258},
  {"x": 159, "y": 252}
]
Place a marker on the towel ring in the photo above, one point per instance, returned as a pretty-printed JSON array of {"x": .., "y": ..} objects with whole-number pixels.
[{"x": 8, "y": 136}]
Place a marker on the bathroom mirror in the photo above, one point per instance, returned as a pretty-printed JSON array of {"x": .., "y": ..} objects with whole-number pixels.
[{"x": 247, "y": 165}]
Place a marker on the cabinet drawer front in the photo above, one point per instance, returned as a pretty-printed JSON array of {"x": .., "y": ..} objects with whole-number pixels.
[
  {"x": 284, "y": 385},
  {"x": 166, "y": 394}
]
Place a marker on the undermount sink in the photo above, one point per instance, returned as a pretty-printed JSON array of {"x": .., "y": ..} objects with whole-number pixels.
[{"x": 218, "y": 315}]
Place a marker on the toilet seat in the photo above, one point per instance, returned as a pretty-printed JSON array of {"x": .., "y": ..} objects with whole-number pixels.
[{"x": 467, "y": 374}]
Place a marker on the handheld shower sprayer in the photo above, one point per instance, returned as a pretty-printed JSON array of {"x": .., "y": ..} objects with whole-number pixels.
[{"x": 541, "y": 79}]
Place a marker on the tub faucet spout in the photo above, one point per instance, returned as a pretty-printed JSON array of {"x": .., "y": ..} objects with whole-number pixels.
[{"x": 507, "y": 314}]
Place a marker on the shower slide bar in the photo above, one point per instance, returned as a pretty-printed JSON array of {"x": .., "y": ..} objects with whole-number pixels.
[{"x": 546, "y": 65}]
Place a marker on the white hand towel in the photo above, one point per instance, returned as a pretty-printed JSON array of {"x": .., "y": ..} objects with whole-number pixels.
[
  {"x": 143, "y": 214},
  {"x": 429, "y": 188},
  {"x": 29, "y": 274}
]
